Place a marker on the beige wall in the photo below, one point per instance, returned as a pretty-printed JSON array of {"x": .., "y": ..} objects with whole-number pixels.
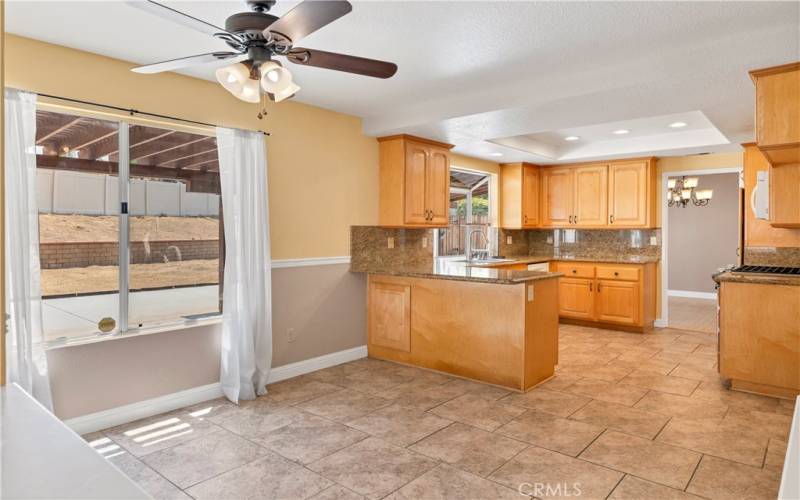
[
  {"x": 703, "y": 239},
  {"x": 323, "y": 173},
  {"x": 2, "y": 205}
]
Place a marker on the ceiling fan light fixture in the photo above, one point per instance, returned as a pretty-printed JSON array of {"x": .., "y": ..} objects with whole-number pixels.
[
  {"x": 275, "y": 79},
  {"x": 286, "y": 93},
  {"x": 233, "y": 76}
]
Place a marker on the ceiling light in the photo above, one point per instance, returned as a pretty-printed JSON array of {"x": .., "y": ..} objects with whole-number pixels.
[
  {"x": 285, "y": 93},
  {"x": 621, "y": 131},
  {"x": 496, "y": 154},
  {"x": 677, "y": 124},
  {"x": 275, "y": 78},
  {"x": 236, "y": 80},
  {"x": 571, "y": 138}
]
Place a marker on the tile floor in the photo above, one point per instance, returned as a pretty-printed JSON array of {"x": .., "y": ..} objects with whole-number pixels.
[
  {"x": 699, "y": 315},
  {"x": 626, "y": 416}
]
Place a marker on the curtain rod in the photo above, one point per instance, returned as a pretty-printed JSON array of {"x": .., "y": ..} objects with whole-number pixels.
[{"x": 132, "y": 111}]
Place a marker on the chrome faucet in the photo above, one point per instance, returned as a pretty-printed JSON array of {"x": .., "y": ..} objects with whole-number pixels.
[{"x": 468, "y": 244}]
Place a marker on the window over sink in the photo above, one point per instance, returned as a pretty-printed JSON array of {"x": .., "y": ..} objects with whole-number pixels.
[{"x": 470, "y": 215}]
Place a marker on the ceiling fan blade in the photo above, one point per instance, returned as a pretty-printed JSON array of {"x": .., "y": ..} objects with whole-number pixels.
[
  {"x": 184, "y": 62},
  {"x": 342, "y": 62},
  {"x": 307, "y": 17},
  {"x": 176, "y": 16}
]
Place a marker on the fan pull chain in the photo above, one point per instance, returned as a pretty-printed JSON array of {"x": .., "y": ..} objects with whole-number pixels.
[{"x": 263, "y": 112}]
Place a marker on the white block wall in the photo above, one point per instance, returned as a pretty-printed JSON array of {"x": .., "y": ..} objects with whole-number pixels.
[{"x": 66, "y": 192}]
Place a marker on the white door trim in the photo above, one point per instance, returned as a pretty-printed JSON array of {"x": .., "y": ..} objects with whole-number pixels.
[{"x": 663, "y": 321}]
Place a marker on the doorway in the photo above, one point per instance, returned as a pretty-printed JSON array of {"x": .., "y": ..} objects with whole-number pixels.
[{"x": 701, "y": 225}]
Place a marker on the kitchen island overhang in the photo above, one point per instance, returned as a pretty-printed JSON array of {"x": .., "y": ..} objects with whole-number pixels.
[{"x": 491, "y": 325}]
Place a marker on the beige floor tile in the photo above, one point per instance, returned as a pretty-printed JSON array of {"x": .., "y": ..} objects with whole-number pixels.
[
  {"x": 209, "y": 410},
  {"x": 445, "y": 482},
  {"x": 309, "y": 438},
  {"x": 633, "y": 488},
  {"x": 203, "y": 458},
  {"x": 549, "y": 431},
  {"x": 716, "y": 391},
  {"x": 337, "y": 492},
  {"x": 786, "y": 407},
  {"x": 374, "y": 381},
  {"x": 423, "y": 375},
  {"x": 163, "y": 431},
  {"x": 770, "y": 424},
  {"x": 609, "y": 392},
  {"x": 708, "y": 436},
  {"x": 469, "y": 448},
  {"x": 477, "y": 411},
  {"x": 681, "y": 406},
  {"x": 557, "y": 403},
  {"x": 373, "y": 468},
  {"x": 721, "y": 479},
  {"x": 693, "y": 314},
  {"x": 149, "y": 480},
  {"x": 654, "y": 461},
  {"x": 344, "y": 406},
  {"x": 335, "y": 374},
  {"x": 486, "y": 391},
  {"x": 422, "y": 395},
  {"x": 259, "y": 418},
  {"x": 622, "y": 418},
  {"x": 695, "y": 373},
  {"x": 269, "y": 477},
  {"x": 547, "y": 474},
  {"x": 399, "y": 425},
  {"x": 586, "y": 358},
  {"x": 650, "y": 365},
  {"x": 299, "y": 389},
  {"x": 776, "y": 453},
  {"x": 609, "y": 373},
  {"x": 661, "y": 383},
  {"x": 370, "y": 364},
  {"x": 559, "y": 382}
]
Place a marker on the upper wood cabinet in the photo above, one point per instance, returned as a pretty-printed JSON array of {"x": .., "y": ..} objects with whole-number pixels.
[
  {"x": 558, "y": 193},
  {"x": 520, "y": 201},
  {"x": 414, "y": 182},
  {"x": 778, "y": 112},
  {"x": 631, "y": 196},
  {"x": 591, "y": 196}
]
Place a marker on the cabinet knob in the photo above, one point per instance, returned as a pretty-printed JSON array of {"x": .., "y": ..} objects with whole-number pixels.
[
  {"x": 616, "y": 273},
  {"x": 574, "y": 271},
  {"x": 611, "y": 219}
]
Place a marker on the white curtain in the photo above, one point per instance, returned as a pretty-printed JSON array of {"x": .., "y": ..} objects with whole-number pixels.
[
  {"x": 247, "y": 298},
  {"x": 25, "y": 357}
]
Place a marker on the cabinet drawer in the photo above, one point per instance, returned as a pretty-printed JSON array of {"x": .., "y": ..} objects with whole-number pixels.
[
  {"x": 618, "y": 273},
  {"x": 574, "y": 270}
]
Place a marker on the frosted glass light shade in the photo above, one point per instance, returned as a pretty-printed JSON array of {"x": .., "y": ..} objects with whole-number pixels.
[
  {"x": 671, "y": 183},
  {"x": 690, "y": 182},
  {"x": 236, "y": 80},
  {"x": 704, "y": 194},
  {"x": 275, "y": 79},
  {"x": 289, "y": 91}
]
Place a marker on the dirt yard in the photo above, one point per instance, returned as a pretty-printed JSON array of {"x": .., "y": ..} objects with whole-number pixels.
[
  {"x": 105, "y": 278},
  {"x": 55, "y": 228}
]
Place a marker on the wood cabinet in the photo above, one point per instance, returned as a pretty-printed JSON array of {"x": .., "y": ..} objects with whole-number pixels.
[
  {"x": 784, "y": 195},
  {"x": 414, "y": 182},
  {"x": 390, "y": 315},
  {"x": 558, "y": 191},
  {"x": 759, "y": 232},
  {"x": 629, "y": 192},
  {"x": 778, "y": 112},
  {"x": 619, "y": 194},
  {"x": 519, "y": 183},
  {"x": 759, "y": 338},
  {"x": 607, "y": 294}
]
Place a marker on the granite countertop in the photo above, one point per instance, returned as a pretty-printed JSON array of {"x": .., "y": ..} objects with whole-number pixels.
[
  {"x": 566, "y": 257},
  {"x": 461, "y": 272},
  {"x": 757, "y": 279}
]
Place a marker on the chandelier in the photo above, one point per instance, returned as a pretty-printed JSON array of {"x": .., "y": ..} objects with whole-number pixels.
[{"x": 681, "y": 191}]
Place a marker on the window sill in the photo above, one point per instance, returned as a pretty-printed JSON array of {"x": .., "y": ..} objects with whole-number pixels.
[{"x": 137, "y": 332}]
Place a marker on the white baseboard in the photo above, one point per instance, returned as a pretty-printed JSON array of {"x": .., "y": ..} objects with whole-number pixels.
[
  {"x": 143, "y": 409},
  {"x": 692, "y": 295},
  {"x": 313, "y": 261},
  {"x": 660, "y": 323}
]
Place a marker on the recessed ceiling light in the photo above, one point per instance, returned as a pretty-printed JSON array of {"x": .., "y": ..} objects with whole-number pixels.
[
  {"x": 571, "y": 138},
  {"x": 621, "y": 131},
  {"x": 495, "y": 154},
  {"x": 677, "y": 124}
]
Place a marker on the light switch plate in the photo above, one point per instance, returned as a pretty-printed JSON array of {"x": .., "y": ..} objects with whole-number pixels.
[
  {"x": 390, "y": 242},
  {"x": 509, "y": 240},
  {"x": 424, "y": 242},
  {"x": 653, "y": 241},
  {"x": 530, "y": 293}
]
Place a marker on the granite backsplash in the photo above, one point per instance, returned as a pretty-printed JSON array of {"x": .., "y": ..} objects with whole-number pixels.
[
  {"x": 772, "y": 256},
  {"x": 580, "y": 242},
  {"x": 369, "y": 248}
]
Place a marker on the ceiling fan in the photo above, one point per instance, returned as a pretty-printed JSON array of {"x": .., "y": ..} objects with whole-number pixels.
[{"x": 256, "y": 37}]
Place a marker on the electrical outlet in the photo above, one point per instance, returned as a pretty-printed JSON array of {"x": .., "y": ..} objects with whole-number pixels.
[
  {"x": 653, "y": 241},
  {"x": 291, "y": 334},
  {"x": 424, "y": 242},
  {"x": 530, "y": 293},
  {"x": 390, "y": 242},
  {"x": 549, "y": 240},
  {"x": 509, "y": 240}
]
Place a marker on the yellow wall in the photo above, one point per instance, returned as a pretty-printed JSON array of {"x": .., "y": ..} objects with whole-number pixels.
[
  {"x": 693, "y": 162},
  {"x": 323, "y": 172}
]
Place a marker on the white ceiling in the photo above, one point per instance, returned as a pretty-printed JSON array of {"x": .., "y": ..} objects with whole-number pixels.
[{"x": 478, "y": 73}]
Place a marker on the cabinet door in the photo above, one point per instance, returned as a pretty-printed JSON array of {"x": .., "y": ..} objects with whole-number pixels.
[
  {"x": 591, "y": 196},
  {"x": 557, "y": 193},
  {"x": 530, "y": 196},
  {"x": 627, "y": 194},
  {"x": 617, "y": 302},
  {"x": 437, "y": 185},
  {"x": 784, "y": 196},
  {"x": 415, "y": 177},
  {"x": 575, "y": 298},
  {"x": 390, "y": 316}
]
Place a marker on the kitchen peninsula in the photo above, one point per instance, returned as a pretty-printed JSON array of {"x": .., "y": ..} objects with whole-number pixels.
[{"x": 494, "y": 325}]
